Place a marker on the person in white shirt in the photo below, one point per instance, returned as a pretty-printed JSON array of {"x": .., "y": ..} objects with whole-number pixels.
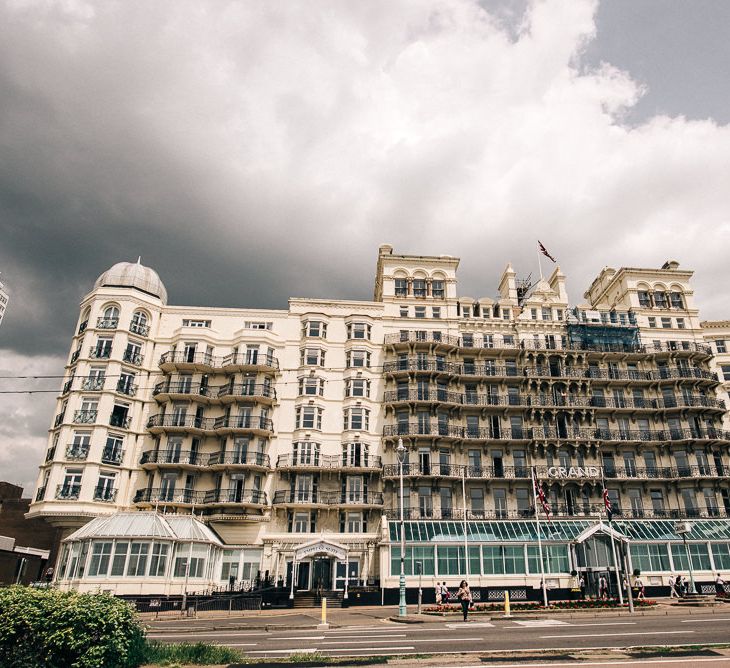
[
  {"x": 672, "y": 588},
  {"x": 719, "y": 586}
]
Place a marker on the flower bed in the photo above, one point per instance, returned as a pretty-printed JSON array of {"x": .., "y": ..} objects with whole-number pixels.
[{"x": 555, "y": 605}]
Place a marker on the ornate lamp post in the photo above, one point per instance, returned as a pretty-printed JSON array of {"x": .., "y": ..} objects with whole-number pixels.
[
  {"x": 683, "y": 528},
  {"x": 402, "y": 610}
]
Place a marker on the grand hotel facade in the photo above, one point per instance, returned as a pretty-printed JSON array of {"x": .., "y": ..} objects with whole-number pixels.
[{"x": 197, "y": 447}]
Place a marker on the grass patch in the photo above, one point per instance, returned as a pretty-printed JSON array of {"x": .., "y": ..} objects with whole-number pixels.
[
  {"x": 307, "y": 657},
  {"x": 199, "y": 653}
]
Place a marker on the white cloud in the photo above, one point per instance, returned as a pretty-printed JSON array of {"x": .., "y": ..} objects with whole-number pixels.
[{"x": 304, "y": 134}]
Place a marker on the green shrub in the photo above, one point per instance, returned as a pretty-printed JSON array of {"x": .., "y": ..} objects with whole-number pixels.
[
  {"x": 198, "y": 653},
  {"x": 45, "y": 628}
]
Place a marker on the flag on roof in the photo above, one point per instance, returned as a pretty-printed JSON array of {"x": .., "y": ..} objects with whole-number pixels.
[{"x": 544, "y": 251}]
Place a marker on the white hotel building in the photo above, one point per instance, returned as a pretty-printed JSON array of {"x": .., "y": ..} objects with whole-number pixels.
[{"x": 242, "y": 441}]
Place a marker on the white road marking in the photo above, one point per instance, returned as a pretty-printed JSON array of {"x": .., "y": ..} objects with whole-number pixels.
[
  {"x": 705, "y": 620},
  {"x": 471, "y": 625},
  {"x": 607, "y": 635},
  {"x": 619, "y": 662},
  {"x": 283, "y": 651},
  {"x": 391, "y": 635},
  {"x": 367, "y": 642},
  {"x": 238, "y": 644},
  {"x": 199, "y": 635},
  {"x": 606, "y": 624},
  {"x": 299, "y": 638},
  {"x": 537, "y": 623}
]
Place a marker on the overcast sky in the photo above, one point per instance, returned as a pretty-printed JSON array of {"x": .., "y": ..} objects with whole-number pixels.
[{"x": 252, "y": 151}]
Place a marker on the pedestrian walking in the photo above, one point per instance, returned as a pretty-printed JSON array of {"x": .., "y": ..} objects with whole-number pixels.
[
  {"x": 602, "y": 588},
  {"x": 672, "y": 587},
  {"x": 445, "y": 593},
  {"x": 640, "y": 588},
  {"x": 678, "y": 585},
  {"x": 582, "y": 585},
  {"x": 464, "y": 595},
  {"x": 719, "y": 586},
  {"x": 438, "y": 593}
]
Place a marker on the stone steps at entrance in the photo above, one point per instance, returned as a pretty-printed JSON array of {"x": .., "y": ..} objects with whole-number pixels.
[
  {"x": 697, "y": 601},
  {"x": 309, "y": 600}
]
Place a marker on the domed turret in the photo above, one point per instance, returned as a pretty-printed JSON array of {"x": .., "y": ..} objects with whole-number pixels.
[{"x": 133, "y": 275}]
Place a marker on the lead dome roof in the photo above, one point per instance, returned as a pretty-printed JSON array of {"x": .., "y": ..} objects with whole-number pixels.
[{"x": 133, "y": 275}]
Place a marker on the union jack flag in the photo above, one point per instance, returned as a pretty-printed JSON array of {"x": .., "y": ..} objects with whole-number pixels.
[
  {"x": 607, "y": 503},
  {"x": 540, "y": 494},
  {"x": 544, "y": 251}
]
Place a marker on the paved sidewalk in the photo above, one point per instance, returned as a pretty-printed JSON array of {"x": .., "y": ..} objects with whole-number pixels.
[{"x": 366, "y": 616}]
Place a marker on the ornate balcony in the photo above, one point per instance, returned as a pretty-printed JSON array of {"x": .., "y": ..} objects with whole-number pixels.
[
  {"x": 68, "y": 492},
  {"x": 82, "y": 327},
  {"x": 250, "y": 460},
  {"x": 85, "y": 417},
  {"x": 138, "y": 328},
  {"x": 419, "y": 336},
  {"x": 107, "y": 323},
  {"x": 120, "y": 421},
  {"x": 235, "y": 496},
  {"x": 133, "y": 358},
  {"x": 328, "y": 462},
  {"x": 454, "y": 431},
  {"x": 664, "y": 472},
  {"x": 93, "y": 384},
  {"x": 124, "y": 387},
  {"x": 105, "y": 494},
  {"x": 228, "y": 364},
  {"x": 182, "y": 390},
  {"x": 285, "y": 497},
  {"x": 178, "y": 423},
  {"x": 76, "y": 452},
  {"x": 244, "y": 423},
  {"x": 157, "y": 495},
  {"x": 246, "y": 392},
  {"x": 112, "y": 456},
  {"x": 173, "y": 458},
  {"x": 100, "y": 353},
  {"x": 457, "y": 471}
]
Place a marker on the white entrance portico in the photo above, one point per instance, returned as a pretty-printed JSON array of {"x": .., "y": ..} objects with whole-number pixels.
[{"x": 315, "y": 565}]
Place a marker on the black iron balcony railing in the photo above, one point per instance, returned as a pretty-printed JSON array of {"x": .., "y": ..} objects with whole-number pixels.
[
  {"x": 82, "y": 327},
  {"x": 40, "y": 495},
  {"x": 648, "y": 349},
  {"x": 422, "y": 337},
  {"x": 328, "y": 461},
  {"x": 204, "y": 359},
  {"x": 197, "y": 389},
  {"x": 132, "y": 357},
  {"x": 246, "y": 390},
  {"x": 457, "y": 471},
  {"x": 100, "y": 353},
  {"x": 191, "y": 457},
  {"x": 85, "y": 417},
  {"x": 243, "y": 422},
  {"x": 67, "y": 386},
  {"x": 51, "y": 453},
  {"x": 559, "y": 371},
  {"x": 139, "y": 328},
  {"x": 107, "y": 323},
  {"x": 328, "y": 498},
  {"x": 121, "y": 421},
  {"x": 77, "y": 452},
  {"x": 447, "y": 397},
  {"x": 93, "y": 384},
  {"x": 234, "y": 495},
  {"x": 58, "y": 419},
  {"x": 112, "y": 456},
  {"x": 125, "y": 387},
  {"x": 106, "y": 494},
  {"x": 239, "y": 459},
  {"x": 75, "y": 355},
  {"x": 455, "y": 431},
  {"x": 179, "y": 421},
  {"x": 175, "y": 496},
  {"x": 667, "y": 472},
  {"x": 68, "y": 492}
]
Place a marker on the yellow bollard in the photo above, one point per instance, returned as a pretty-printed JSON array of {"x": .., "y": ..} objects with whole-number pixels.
[
  {"x": 324, "y": 624},
  {"x": 506, "y": 604}
]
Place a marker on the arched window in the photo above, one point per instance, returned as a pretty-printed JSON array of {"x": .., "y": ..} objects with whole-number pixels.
[
  {"x": 110, "y": 319},
  {"x": 139, "y": 323}
]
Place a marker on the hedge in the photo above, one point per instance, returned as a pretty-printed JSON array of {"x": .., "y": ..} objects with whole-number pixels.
[{"x": 53, "y": 629}]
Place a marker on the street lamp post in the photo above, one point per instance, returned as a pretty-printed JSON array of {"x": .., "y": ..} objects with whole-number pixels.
[
  {"x": 402, "y": 610},
  {"x": 683, "y": 528}
]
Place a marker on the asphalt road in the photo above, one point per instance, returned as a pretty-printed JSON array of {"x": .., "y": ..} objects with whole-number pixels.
[{"x": 526, "y": 636}]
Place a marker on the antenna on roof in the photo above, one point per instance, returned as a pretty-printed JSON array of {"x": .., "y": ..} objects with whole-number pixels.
[
  {"x": 139, "y": 259},
  {"x": 523, "y": 287}
]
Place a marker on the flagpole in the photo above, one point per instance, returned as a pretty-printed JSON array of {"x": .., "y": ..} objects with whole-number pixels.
[
  {"x": 539, "y": 539},
  {"x": 466, "y": 544},
  {"x": 613, "y": 546},
  {"x": 539, "y": 262}
]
